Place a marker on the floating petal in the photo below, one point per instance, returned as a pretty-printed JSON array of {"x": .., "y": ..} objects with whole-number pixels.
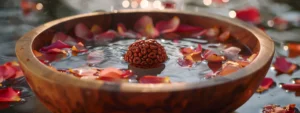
[
  {"x": 149, "y": 79},
  {"x": 168, "y": 26}
]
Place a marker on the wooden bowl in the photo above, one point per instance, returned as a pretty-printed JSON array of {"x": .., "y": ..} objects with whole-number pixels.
[{"x": 62, "y": 93}]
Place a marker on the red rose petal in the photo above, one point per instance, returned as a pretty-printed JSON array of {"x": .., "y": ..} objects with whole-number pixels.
[
  {"x": 291, "y": 87},
  {"x": 183, "y": 62},
  {"x": 210, "y": 56},
  {"x": 9, "y": 95},
  {"x": 145, "y": 27},
  {"x": 96, "y": 29},
  {"x": 224, "y": 36},
  {"x": 265, "y": 85},
  {"x": 148, "y": 79},
  {"x": 188, "y": 28},
  {"x": 169, "y": 4},
  {"x": 294, "y": 49},
  {"x": 83, "y": 32},
  {"x": 58, "y": 44},
  {"x": 214, "y": 66},
  {"x": 121, "y": 29},
  {"x": 283, "y": 66},
  {"x": 168, "y": 26},
  {"x": 95, "y": 57},
  {"x": 126, "y": 74},
  {"x": 250, "y": 14}
]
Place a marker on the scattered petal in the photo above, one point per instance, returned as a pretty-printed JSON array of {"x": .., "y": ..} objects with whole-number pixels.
[
  {"x": 250, "y": 14},
  {"x": 96, "y": 29},
  {"x": 283, "y": 66},
  {"x": 36, "y": 53},
  {"x": 186, "y": 50},
  {"x": 229, "y": 67},
  {"x": 265, "y": 85},
  {"x": 224, "y": 36},
  {"x": 149, "y": 79},
  {"x": 9, "y": 95},
  {"x": 199, "y": 48},
  {"x": 201, "y": 33},
  {"x": 145, "y": 27},
  {"x": 56, "y": 51},
  {"x": 127, "y": 74},
  {"x": 83, "y": 32},
  {"x": 110, "y": 74},
  {"x": 291, "y": 87},
  {"x": 80, "y": 72},
  {"x": 168, "y": 26},
  {"x": 105, "y": 37},
  {"x": 169, "y": 4},
  {"x": 195, "y": 57},
  {"x": 95, "y": 57},
  {"x": 183, "y": 62},
  {"x": 294, "y": 49},
  {"x": 121, "y": 29},
  {"x": 210, "y": 56},
  {"x": 79, "y": 47},
  {"x": 188, "y": 28},
  {"x": 64, "y": 38},
  {"x": 214, "y": 66},
  {"x": 231, "y": 53},
  {"x": 58, "y": 44}
]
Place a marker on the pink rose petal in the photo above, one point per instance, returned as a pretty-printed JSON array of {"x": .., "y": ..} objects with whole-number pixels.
[
  {"x": 105, "y": 37},
  {"x": 199, "y": 48},
  {"x": 232, "y": 53},
  {"x": 58, "y": 44},
  {"x": 168, "y": 26},
  {"x": 83, "y": 32},
  {"x": 95, "y": 57},
  {"x": 250, "y": 14},
  {"x": 145, "y": 27},
  {"x": 185, "y": 62}
]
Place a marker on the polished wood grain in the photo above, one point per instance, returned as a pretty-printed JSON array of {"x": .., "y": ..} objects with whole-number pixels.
[{"x": 63, "y": 93}]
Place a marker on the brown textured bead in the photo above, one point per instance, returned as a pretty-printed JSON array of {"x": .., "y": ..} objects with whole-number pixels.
[{"x": 145, "y": 54}]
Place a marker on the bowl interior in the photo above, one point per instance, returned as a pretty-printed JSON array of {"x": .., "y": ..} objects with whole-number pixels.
[{"x": 250, "y": 36}]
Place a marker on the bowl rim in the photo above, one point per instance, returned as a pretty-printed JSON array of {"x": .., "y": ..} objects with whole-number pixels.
[{"x": 30, "y": 63}]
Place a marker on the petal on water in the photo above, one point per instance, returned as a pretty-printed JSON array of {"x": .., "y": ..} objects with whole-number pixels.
[
  {"x": 145, "y": 27},
  {"x": 168, "y": 26},
  {"x": 149, "y": 79}
]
